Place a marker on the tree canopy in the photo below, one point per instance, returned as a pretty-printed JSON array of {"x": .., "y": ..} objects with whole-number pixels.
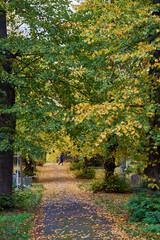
[
  {"x": 94, "y": 71},
  {"x": 118, "y": 53}
]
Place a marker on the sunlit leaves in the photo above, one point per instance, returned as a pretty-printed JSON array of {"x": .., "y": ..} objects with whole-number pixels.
[{"x": 117, "y": 44}]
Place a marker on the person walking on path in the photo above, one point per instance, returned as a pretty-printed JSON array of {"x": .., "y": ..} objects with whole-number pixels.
[{"x": 61, "y": 159}]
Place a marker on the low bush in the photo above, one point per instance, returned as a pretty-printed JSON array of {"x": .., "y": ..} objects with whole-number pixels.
[
  {"x": 96, "y": 161},
  {"x": 144, "y": 208},
  {"x": 27, "y": 199},
  {"x": 40, "y": 162},
  {"x": 97, "y": 186},
  {"x": 76, "y": 165},
  {"x": 16, "y": 223},
  {"x": 88, "y": 174},
  {"x": 6, "y": 201},
  {"x": 30, "y": 198},
  {"x": 152, "y": 228},
  {"x": 114, "y": 184}
]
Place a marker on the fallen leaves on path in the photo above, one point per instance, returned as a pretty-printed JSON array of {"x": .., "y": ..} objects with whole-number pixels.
[{"x": 69, "y": 212}]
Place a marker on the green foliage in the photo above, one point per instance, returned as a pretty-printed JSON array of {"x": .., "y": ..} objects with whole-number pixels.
[
  {"x": 116, "y": 54},
  {"x": 40, "y": 162},
  {"x": 97, "y": 186},
  {"x": 144, "y": 208},
  {"x": 36, "y": 70},
  {"x": 114, "y": 184},
  {"x": 6, "y": 201},
  {"x": 88, "y": 173},
  {"x": 102, "y": 55},
  {"x": 28, "y": 199},
  {"x": 153, "y": 228},
  {"x": 81, "y": 172},
  {"x": 96, "y": 161},
  {"x": 29, "y": 166},
  {"x": 15, "y": 226},
  {"x": 76, "y": 165}
]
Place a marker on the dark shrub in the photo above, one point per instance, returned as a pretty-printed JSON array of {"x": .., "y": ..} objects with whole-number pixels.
[
  {"x": 6, "y": 201},
  {"x": 88, "y": 173},
  {"x": 96, "y": 161},
  {"x": 76, "y": 165},
  {"x": 29, "y": 198},
  {"x": 114, "y": 184}
]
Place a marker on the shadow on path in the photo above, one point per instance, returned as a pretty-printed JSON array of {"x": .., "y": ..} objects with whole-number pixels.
[{"x": 69, "y": 219}]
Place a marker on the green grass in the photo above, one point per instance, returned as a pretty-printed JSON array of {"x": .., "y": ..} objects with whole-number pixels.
[
  {"x": 16, "y": 222},
  {"x": 15, "y": 225}
]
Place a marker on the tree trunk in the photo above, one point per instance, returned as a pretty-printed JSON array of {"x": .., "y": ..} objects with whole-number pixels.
[
  {"x": 109, "y": 163},
  {"x": 30, "y": 166},
  {"x": 7, "y": 120},
  {"x": 3, "y": 26},
  {"x": 85, "y": 164},
  {"x": 153, "y": 168},
  {"x": 109, "y": 166}
]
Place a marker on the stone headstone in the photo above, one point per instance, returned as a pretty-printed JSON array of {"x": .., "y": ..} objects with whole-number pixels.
[{"x": 134, "y": 179}]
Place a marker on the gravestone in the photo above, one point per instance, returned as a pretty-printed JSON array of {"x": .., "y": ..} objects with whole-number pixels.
[{"x": 134, "y": 179}]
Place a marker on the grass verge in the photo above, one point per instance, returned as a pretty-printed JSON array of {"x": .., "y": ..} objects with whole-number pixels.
[{"x": 16, "y": 222}]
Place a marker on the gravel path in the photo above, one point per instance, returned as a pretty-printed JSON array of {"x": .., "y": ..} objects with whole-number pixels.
[{"x": 69, "y": 212}]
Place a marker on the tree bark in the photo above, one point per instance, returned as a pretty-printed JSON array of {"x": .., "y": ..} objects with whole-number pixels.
[
  {"x": 109, "y": 166},
  {"x": 3, "y": 25},
  {"x": 153, "y": 168},
  {"x": 29, "y": 165},
  {"x": 109, "y": 163},
  {"x": 85, "y": 164},
  {"x": 7, "y": 120}
]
